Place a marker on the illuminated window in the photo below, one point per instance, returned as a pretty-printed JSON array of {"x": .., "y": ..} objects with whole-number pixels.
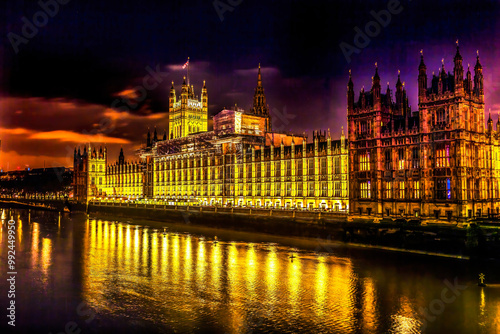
[
  {"x": 401, "y": 158},
  {"x": 401, "y": 189},
  {"x": 337, "y": 165},
  {"x": 311, "y": 189},
  {"x": 448, "y": 188},
  {"x": 366, "y": 190},
  {"x": 388, "y": 190},
  {"x": 299, "y": 189},
  {"x": 443, "y": 156},
  {"x": 416, "y": 189},
  {"x": 364, "y": 161},
  {"x": 323, "y": 166},
  {"x": 311, "y": 166},
  {"x": 277, "y": 170},
  {"x": 443, "y": 189},
  {"x": 337, "y": 189},
  {"x": 324, "y": 189},
  {"x": 299, "y": 167}
]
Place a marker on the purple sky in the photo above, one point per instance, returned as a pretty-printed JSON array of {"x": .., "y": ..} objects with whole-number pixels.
[{"x": 58, "y": 90}]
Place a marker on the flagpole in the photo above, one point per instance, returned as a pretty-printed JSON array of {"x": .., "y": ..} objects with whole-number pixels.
[{"x": 188, "y": 71}]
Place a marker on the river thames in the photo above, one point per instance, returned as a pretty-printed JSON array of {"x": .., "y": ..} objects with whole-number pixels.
[{"x": 83, "y": 274}]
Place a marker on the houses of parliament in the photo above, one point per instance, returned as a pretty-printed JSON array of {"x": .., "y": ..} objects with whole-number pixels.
[
  {"x": 438, "y": 162},
  {"x": 241, "y": 162}
]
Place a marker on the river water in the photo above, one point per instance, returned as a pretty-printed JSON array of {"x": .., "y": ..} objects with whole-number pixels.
[{"x": 83, "y": 274}]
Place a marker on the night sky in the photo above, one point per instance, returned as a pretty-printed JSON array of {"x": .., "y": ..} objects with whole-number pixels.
[{"x": 66, "y": 83}]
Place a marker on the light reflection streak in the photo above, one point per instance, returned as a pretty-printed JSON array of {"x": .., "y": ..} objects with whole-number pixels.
[
  {"x": 271, "y": 278},
  {"x": 294, "y": 286},
  {"x": 369, "y": 306},
  {"x": 175, "y": 257},
  {"x": 216, "y": 271},
  {"x": 321, "y": 283},
  {"x": 155, "y": 266},
  {"x": 251, "y": 275},
  {"x": 145, "y": 250},
  {"x": 201, "y": 265},
  {"x": 34, "y": 244},
  {"x": 188, "y": 269},
  {"x": 136, "y": 250},
  {"x": 164, "y": 257},
  {"x": 405, "y": 321},
  {"x": 46, "y": 258},
  {"x": 19, "y": 231}
]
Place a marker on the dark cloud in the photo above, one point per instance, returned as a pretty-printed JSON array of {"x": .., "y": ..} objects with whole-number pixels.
[{"x": 68, "y": 75}]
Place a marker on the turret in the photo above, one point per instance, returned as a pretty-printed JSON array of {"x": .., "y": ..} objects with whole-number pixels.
[
  {"x": 498, "y": 122},
  {"x": 468, "y": 81},
  {"x": 121, "y": 157},
  {"x": 478, "y": 80},
  {"x": 171, "y": 100},
  {"x": 204, "y": 98},
  {"x": 184, "y": 95},
  {"x": 148, "y": 141},
  {"x": 376, "y": 89},
  {"x": 458, "y": 72},
  {"x": 490, "y": 123},
  {"x": 350, "y": 94},
  {"x": 363, "y": 98},
  {"x": 443, "y": 79},
  {"x": 422, "y": 78},
  {"x": 399, "y": 94},
  {"x": 388, "y": 95},
  {"x": 260, "y": 106}
]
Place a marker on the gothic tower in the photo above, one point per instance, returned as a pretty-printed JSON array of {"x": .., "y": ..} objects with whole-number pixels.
[
  {"x": 190, "y": 114},
  {"x": 260, "y": 106}
]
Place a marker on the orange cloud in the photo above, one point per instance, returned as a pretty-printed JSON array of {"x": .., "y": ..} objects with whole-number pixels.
[
  {"x": 70, "y": 136},
  {"x": 15, "y": 131}
]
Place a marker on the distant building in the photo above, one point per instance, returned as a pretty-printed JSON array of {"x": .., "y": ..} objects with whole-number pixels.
[{"x": 89, "y": 173}]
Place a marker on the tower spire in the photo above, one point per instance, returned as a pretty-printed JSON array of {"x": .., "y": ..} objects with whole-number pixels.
[
  {"x": 260, "y": 106},
  {"x": 422, "y": 78}
]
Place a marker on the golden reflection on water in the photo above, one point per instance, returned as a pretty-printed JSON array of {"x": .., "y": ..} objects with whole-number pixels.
[
  {"x": 257, "y": 281},
  {"x": 35, "y": 239},
  {"x": 405, "y": 319},
  {"x": 173, "y": 277},
  {"x": 46, "y": 258},
  {"x": 19, "y": 231},
  {"x": 369, "y": 306}
]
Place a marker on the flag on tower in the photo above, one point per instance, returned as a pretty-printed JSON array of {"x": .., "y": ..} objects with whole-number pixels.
[{"x": 186, "y": 64}]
